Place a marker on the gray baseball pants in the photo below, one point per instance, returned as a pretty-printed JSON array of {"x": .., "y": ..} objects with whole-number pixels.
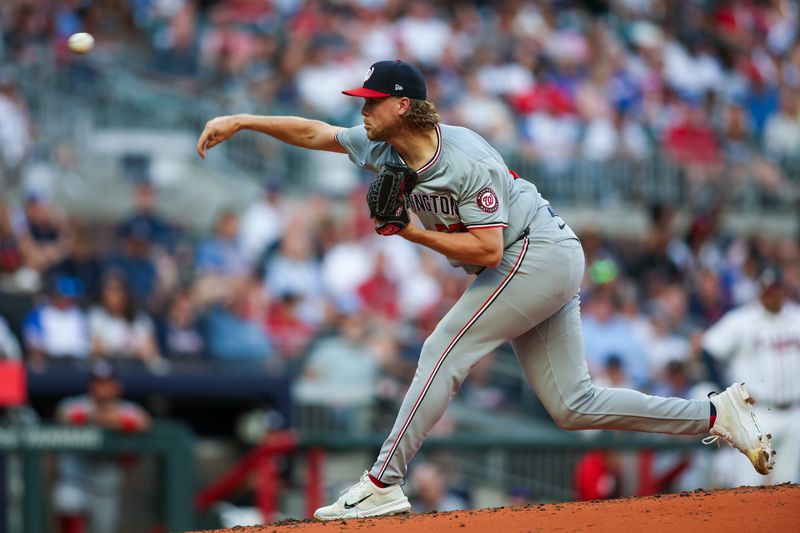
[{"x": 532, "y": 300}]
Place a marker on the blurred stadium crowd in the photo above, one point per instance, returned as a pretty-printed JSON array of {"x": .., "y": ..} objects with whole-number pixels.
[
  {"x": 302, "y": 286},
  {"x": 712, "y": 84},
  {"x": 264, "y": 284}
]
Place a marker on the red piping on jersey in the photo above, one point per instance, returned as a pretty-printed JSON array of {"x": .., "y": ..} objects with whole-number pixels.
[
  {"x": 513, "y": 173},
  {"x": 449, "y": 348},
  {"x": 482, "y": 226},
  {"x": 435, "y": 157}
]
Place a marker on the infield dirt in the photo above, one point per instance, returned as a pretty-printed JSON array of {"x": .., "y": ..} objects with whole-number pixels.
[{"x": 745, "y": 509}]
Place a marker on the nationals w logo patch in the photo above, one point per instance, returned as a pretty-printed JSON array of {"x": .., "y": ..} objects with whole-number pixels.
[{"x": 487, "y": 200}]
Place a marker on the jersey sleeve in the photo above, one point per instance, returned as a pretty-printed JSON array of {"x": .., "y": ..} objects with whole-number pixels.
[
  {"x": 72, "y": 411},
  {"x": 362, "y": 152},
  {"x": 723, "y": 338},
  {"x": 132, "y": 417},
  {"x": 483, "y": 202}
]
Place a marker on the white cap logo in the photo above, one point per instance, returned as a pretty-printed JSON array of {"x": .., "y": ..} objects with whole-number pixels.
[
  {"x": 398, "y": 87},
  {"x": 369, "y": 73}
]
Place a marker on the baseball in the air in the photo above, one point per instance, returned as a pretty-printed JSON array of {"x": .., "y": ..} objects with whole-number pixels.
[{"x": 80, "y": 43}]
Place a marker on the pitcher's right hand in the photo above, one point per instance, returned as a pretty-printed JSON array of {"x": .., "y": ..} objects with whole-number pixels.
[{"x": 217, "y": 130}]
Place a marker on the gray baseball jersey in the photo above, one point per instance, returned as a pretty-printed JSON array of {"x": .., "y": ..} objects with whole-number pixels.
[
  {"x": 530, "y": 299},
  {"x": 466, "y": 185}
]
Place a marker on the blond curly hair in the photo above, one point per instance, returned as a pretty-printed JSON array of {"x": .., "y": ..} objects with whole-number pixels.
[{"x": 421, "y": 115}]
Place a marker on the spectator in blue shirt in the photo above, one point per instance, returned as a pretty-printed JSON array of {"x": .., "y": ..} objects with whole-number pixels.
[
  {"x": 761, "y": 99},
  {"x": 135, "y": 261},
  {"x": 222, "y": 254},
  {"x": 58, "y": 328}
]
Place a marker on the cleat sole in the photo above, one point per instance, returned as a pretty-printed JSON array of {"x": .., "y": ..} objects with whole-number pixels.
[{"x": 760, "y": 453}]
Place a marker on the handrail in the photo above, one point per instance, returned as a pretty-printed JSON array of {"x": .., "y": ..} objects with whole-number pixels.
[
  {"x": 277, "y": 443},
  {"x": 171, "y": 441}
]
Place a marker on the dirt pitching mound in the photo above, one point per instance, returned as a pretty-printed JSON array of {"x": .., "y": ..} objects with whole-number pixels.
[{"x": 732, "y": 510}]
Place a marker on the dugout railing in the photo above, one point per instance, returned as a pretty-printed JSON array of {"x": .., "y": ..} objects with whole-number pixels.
[
  {"x": 170, "y": 442},
  {"x": 489, "y": 458}
]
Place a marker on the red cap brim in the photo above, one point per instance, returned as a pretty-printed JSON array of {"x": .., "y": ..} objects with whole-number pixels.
[{"x": 363, "y": 92}]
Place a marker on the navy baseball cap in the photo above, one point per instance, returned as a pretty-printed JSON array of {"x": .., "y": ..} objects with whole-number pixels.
[
  {"x": 391, "y": 78},
  {"x": 68, "y": 287},
  {"x": 102, "y": 369}
]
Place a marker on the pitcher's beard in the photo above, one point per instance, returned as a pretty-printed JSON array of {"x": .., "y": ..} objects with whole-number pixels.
[
  {"x": 376, "y": 135},
  {"x": 385, "y": 133}
]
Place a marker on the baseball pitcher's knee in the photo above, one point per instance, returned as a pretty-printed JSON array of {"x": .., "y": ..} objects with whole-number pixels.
[
  {"x": 449, "y": 371},
  {"x": 571, "y": 420},
  {"x": 432, "y": 348},
  {"x": 569, "y": 415},
  {"x": 429, "y": 356},
  {"x": 562, "y": 416}
]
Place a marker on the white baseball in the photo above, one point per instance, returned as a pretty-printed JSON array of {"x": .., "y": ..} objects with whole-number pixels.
[{"x": 80, "y": 43}]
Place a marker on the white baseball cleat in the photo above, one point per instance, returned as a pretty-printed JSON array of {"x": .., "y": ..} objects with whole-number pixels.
[
  {"x": 736, "y": 424},
  {"x": 365, "y": 499}
]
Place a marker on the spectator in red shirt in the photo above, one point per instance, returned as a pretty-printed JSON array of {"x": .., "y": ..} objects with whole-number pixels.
[
  {"x": 291, "y": 334},
  {"x": 690, "y": 140},
  {"x": 691, "y": 144},
  {"x": 87, "y": 493},
  {"x": 597, "y": 476},
  {"x": 379, "y": 293}
]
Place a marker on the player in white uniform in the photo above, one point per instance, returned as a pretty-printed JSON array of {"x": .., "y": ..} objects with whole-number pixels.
[
  {"x": 529, "y": 265},
  {"x": 760, "y": 342}
]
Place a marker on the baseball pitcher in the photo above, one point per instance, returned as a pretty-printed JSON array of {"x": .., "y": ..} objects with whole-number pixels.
[{"x": 528, "y": 263}]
